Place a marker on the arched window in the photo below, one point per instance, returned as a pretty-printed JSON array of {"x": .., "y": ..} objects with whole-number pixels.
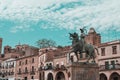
[
  {"x": 103, "y": 76},
  {"x": 32, "y": 60},
  {"x": 50, "y": 76},
  {"x": 115, "y": 76},
  {"x": 60, "y": 76},
  {"x": 26, "y": 61}
]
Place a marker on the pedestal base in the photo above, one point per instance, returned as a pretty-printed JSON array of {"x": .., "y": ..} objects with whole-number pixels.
[{"x": 83, "y": 71}]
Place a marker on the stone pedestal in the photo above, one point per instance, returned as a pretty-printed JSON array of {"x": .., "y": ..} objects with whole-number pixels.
[{"x": 83, "y": 71}]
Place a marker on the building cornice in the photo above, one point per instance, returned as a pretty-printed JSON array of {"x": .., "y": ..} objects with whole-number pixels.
[
  {"x": 109, "y": 43},
  {"x": 109, "y": 58},
  {"x": 26, "y": 57}
]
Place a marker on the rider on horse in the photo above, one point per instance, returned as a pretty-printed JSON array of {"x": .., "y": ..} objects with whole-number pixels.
[{"x": 83, "y": 38}]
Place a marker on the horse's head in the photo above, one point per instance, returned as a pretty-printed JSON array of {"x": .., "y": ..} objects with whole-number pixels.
[
  {"x": 70, "y": 36},
  {"x": 74, "y": 36}
]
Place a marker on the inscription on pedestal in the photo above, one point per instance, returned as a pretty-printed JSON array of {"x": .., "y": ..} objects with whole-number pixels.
[
  {"x": 81, "y": 71},
  {"x": 85, "y": 75}
]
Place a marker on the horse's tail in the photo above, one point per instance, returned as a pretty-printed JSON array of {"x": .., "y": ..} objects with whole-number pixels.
[{"x": 97, "y": 50}]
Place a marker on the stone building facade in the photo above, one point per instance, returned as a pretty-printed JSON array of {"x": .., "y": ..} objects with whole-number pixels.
[
  {"x": 7, "y": 68},
  {"x": 54, "y": 67},
  {"x": 109, "y": 60},
  {"x": 27, "y": 68},
  {"x": 27, "y": 55}
]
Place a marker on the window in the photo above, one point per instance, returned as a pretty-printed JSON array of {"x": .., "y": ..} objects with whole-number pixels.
[
  {"x": 106, "y": 65},
  {"x": 26, "y": 62},
  {"x": 40, "y": 77},
  {"x": 19, "y": 63},
  {"x": 112, "y": 64},
  {"x": 26, "y": 69},
  {"x": 13, "y": 64},
  {"x": 32, "y": 60},
  {"x": 32, "y": 68},
  {"x": 102, "y": 51},
  {"x": 114, "y": 49},
  {"x": 32, "y": 77},
  {"x": 25, "y": 78},
  {"x": 19, "y": 70}
]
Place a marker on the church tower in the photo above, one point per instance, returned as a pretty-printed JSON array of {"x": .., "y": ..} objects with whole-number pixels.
[
  {"x": 0, "y": 45},
  {"x": 93, "y": 38}
]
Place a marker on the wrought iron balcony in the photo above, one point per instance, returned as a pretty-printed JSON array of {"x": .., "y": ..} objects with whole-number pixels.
[
  {"x": 11, "y": 66},
  {"x": 19, "y": 73},
  {"x": 3, "y": 74},
  {"x": 32, "y": 72},
  {"x": 61, "y": 67},
  {"x": 11, "y": 73},
  {"x": 109, "y": 67},
  {"x": 41, "y": 68},
  {"x": 57, "y": 67},
  {"x": 46, "y": 68},
  {"x": 25, "y": 72}
]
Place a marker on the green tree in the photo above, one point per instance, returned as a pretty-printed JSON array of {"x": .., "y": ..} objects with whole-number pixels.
[{"x": 45, "y": 43}]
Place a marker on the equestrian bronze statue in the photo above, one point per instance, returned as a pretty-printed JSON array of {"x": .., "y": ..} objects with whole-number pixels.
[{"x": 80, "y": 46}]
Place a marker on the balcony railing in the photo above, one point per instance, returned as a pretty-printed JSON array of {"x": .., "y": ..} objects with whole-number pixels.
[
  {"x": 57, "y": 67},
  {"x": 46, "y": 68},
  {"x": 32, "y": 72},
  {"x": 11, "y": 73},
  {"x": 62, "y": 67},
  {"x": 6, "y": 67},
  {"x": 3, "y": 74},
  {"x": 109, "y": 67},
  {"x": 25, "y": 72},
  {"x": 11, "y": 66},
  {"x": 19, "y": 73}
]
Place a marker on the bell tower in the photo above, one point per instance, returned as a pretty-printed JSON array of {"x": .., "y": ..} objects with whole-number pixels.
[
  {"x": 93, "y": 38},
  {"x": 0, "y": 45}
]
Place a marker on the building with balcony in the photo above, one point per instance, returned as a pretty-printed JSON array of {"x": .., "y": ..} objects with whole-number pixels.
[
  {"x": 27, "y": 64},
  {"x": 53, "y": 64},
  {"x": 7, "y": 69},
  {"x": 109, "y": 60},
  {"x": 27, "y": 67}
]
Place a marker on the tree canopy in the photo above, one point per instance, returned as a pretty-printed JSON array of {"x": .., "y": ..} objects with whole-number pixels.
[{"x": 45, "y": 43}]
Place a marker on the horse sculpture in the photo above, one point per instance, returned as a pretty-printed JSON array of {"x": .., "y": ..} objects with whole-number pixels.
[{"x": 77, "y": 47}]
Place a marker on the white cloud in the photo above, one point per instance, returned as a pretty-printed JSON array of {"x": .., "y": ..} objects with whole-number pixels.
[
  {"x": 63, "y": 14},
  {"x": 20, "y": 28}
]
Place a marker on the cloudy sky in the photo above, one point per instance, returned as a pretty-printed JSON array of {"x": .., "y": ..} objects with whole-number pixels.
[{"x": 26, "y": 21}]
